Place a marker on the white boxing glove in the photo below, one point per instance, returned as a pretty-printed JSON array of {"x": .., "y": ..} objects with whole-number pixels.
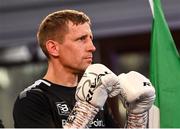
[
  {"x": 138, "y": 96},
  {"x": 96, "y": 84}
]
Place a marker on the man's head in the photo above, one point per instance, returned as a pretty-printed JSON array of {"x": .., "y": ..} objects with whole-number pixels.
[
  {"x": 55, "y": 26},
  {"x": 66, "y": 39}
]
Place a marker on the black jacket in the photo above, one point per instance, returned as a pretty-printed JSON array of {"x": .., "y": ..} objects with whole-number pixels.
[{"x": 48, "y": 105}]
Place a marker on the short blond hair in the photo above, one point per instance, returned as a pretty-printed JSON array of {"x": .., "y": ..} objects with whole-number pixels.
[{"x": 57, "y": 22}]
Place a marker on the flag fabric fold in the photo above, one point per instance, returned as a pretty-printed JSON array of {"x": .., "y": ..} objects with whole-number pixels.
[{"x": 165, "y": 70}]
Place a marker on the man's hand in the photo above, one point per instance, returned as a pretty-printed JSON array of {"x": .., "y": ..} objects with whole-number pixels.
[
  {"x": 138, "y": 96},
  {"x": 97, "y": 83}
]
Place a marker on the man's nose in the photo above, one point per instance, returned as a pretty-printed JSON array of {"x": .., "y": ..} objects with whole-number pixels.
[{"x": 91, "y": 46}]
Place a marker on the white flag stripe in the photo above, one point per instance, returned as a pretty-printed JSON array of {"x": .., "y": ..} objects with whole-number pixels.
[
  {"x": 154, "y": 121},
  {"x": 152, "y": 7},
  {"x": 154, "y": 113}
]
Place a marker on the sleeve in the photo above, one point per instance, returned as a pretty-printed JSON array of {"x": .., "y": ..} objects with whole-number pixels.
[{"x": 32, "y": 111}]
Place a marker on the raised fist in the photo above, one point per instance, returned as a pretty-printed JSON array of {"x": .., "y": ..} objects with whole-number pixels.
[
  {"x": 138, "y": 96},
  {"x": 97, "y": 83}
]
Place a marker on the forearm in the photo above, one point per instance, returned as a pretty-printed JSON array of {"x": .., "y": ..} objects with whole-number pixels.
[
  {"x": 81, "y": 115},
  {"x": 137, "y": 120}
]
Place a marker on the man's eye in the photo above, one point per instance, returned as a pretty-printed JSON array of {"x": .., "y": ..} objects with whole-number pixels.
[{"x": 82, "y": 38}]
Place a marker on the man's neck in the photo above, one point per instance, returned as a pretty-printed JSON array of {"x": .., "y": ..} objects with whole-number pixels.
[{"x": 61, "y": 76}]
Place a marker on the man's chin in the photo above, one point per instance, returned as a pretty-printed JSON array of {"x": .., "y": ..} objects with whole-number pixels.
[
  {"x": 83, "y": 69},
  {"x": 86, "y": 66}
]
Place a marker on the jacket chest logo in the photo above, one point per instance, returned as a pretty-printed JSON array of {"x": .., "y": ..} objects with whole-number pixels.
[{"x": 63, "y": 108}]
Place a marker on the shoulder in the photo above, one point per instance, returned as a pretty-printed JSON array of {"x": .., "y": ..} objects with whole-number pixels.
[
  {"x": 32, "y": 101},
  {"x": 35, "y": 88},
  {"x": 33, "y": 94},
  {"x": 32, "y": 108}
]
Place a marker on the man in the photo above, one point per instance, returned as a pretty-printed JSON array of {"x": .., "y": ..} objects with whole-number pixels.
[
  {"x": 59, "y": 100},
  {"x": 66, "y": 39}
]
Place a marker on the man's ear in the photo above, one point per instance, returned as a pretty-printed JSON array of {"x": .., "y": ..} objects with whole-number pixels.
[{"x": 52, "y": 47}]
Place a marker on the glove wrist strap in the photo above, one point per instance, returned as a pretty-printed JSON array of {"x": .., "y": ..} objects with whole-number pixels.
[
  {"x": 81, "y": 115},
  {"x": 137, "y": 120}
]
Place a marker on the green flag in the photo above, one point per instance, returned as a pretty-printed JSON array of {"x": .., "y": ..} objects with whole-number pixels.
[{"x": 165, "y": 70}]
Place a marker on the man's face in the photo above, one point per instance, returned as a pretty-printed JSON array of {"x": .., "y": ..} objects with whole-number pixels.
[{"x": 75, "y": 52}]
